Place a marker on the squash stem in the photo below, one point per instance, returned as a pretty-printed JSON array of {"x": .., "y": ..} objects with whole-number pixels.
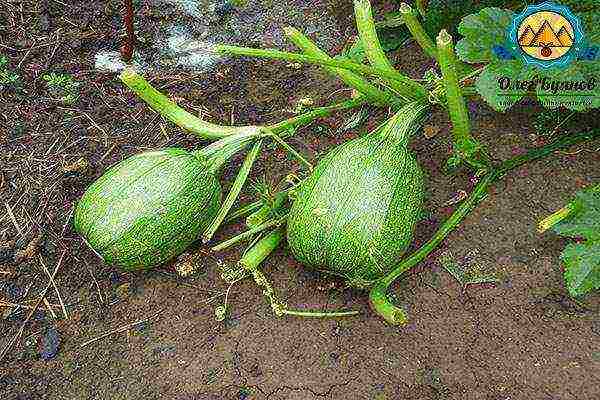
[
  {"x": 406, "y": 88},
  {"x": 417, "y": 30},
  {"x": 244, "y": 211},
  {"x": 234, "y": 192},
  {"x": 416, "y": 89},
  {"x": 378, "y": 295},
  {"x": 266, "y": 210},
  {"x": 466, "y": 147},
  {"x": 351, "y": 79},
  {"x": 562, "y": 214},
  {"x": 286, "y": 128},
  {"x": 249, "y": 233},
  {"x": 290, "y": 150},
  {"x": 171, "y": 111}
]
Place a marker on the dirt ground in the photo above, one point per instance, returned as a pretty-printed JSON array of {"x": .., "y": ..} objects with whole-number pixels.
[{"x": 521, "y": 338}]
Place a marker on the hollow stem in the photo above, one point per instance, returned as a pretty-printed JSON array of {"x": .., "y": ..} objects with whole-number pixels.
[
  {"x": 234, "y": 192},
  {"x": 466, "y": 147},
  {"x": 409, "y": 86},
  {"x": 351, "y": 79},
  {"x": 378, "y": 295},
  {"x": 171, "y": 111},
  {"x": 417, "y": 31},
  {"x": 401, "y": 84}
]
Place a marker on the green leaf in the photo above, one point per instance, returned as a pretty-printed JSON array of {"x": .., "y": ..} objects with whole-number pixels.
[
  {"x": 582, "y": 262},
  {"x": 446, "y": 14},
  {"x": 585, "y": 221},
  {"x": 482, "y": 31},
  {"x": 488, "y": 85}
]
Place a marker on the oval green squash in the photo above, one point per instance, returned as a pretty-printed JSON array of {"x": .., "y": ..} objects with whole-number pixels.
[
  {"x": 148, "y": 208},
  {"x": 355, "y": 214}
]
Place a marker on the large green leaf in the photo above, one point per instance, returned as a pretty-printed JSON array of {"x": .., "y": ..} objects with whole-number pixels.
[
  {"x": 585, "y": 221},
  {"x": 488, "y": 85},
  {"x": 446, "y": 14},
  {"x": 582, "y": 267},
  {"x": 482, "y": 31}
]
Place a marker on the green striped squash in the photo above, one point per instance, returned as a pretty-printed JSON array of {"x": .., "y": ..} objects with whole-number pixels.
[
  {"x": 355, "y": 215},
  {"x": 148, "y": 208}
]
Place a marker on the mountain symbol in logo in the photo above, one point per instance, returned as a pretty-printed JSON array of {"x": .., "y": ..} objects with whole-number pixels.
[{"x": 545, "y": 37}]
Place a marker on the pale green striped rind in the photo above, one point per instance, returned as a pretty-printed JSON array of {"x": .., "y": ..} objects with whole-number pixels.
[
  {"x": 148, "y": 208},
  {"x": 355, "y": 215}
]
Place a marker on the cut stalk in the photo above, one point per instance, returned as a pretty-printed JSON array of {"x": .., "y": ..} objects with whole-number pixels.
[
  {"x": 562, "y": 214},
  {"x": 403, "y": 85},
  {"x": 369, "y": 90},
  {"x": 378, "y": 295},
  {"x": 465, "y": 145},
  {"x": 415, "y": 89},
  {"x": 234, "y": 192},
  {"x": 417, "y": 30},
  {"x": 171, "y": 111}
]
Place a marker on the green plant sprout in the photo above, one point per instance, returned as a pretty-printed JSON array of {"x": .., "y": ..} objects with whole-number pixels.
[
  {"x": 62, "y": 87},
  {"x": 9, "y": 80}
]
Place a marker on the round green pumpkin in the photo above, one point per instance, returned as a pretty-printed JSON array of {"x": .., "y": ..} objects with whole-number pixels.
[
  {"x": 355, "y": 215},
  {"x": 148, "y": 208}
]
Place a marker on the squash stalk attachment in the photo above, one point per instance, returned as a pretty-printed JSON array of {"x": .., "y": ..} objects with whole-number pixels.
[{"x": 466, "y": 147}]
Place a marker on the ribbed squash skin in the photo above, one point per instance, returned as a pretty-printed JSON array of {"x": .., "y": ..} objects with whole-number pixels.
[
  {"x": 148, "y": 208},
  {"x": 355, "y": 215}
]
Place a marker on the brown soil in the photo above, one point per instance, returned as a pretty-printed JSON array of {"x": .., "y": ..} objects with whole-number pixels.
[{"x": 522, "y": 338}]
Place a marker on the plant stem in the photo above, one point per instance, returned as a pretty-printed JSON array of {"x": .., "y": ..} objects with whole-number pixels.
[
  {"x": 244, "y": 211},
  {"x": 408, "y": 85},
  {"x": 261, "y": 214},
  {"x": 284, "y": 127},
  {"x": 320, "y": 314},
  {"x": 205, "y": 130},
  {"x": 129, "y": 45},
  {"x": 248, "y": 234},
  {"x": 378, "y": 295},
  {"x": 234, "y": 192},
  {"x": 251, "y": 262},
  {"x": 292, "y": 151},
  {"x": 370, "y": 91},
  {"x": 405, "y": 87},
  {"x": 465, "y": 145},
  {"x": 171, "y": 111},
  {"x": 417, "y": 30}
]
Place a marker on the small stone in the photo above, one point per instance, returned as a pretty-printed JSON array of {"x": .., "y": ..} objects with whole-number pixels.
[{"x": 49, "y": 344}]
